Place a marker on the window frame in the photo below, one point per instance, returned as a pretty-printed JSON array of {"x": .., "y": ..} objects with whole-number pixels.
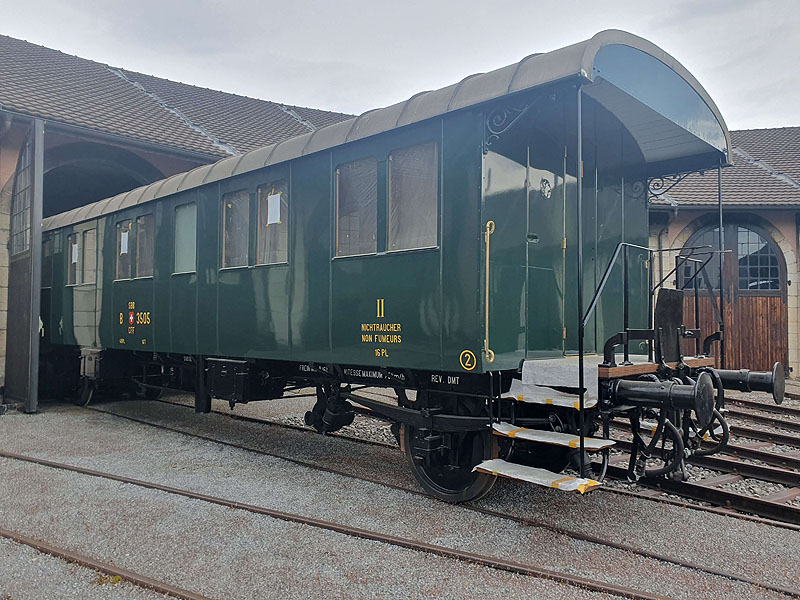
[
  {"x": 336, "y": 171},
  {"x": 136, "y": 257},
  {"x": 223, "y": 226},
  {"x": 730, "y": 242},
  {"x": 117, "y": 243},
  {"x": 437, "y": 174},
  {"x": 20, "y": 231},
  {"x": 272, "y": 183},
  {"x": 175, "y": 238},
  {"x": 77, "y": 236}
]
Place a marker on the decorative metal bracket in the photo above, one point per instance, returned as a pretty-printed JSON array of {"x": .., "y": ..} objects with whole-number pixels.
[
  {"x": 500, "y": 120},
  {"x": 658, "y": 186}
]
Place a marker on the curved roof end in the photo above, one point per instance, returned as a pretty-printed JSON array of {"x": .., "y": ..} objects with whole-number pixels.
[{"x": 598, "y": 45}]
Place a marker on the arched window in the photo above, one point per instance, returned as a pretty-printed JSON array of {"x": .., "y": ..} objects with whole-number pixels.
[
  {"x": 756, "y": 267},
  {"x": 757, "y": 262}
]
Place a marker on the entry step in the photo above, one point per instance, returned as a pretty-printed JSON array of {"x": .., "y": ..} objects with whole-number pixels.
[
  {"x": 537, "y": 394},
  {"x": 567, "y": 440},
  {"x": 543, "y": 477}
]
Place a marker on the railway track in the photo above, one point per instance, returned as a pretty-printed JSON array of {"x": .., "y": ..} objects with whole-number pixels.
[
  {"x": 577, "y": 535},
  {"x": 775, "y": 510},
  {"x": 403, "y": 542},
  {"x": 104, "y": 567}
]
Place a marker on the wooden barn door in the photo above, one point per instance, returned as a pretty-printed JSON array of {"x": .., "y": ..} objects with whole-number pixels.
[{"x": 756, "y": 314}]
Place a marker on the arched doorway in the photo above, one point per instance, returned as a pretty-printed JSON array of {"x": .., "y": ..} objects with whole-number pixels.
[
  {"x": 84, "y": 172},
  {"x": 755, "y": 287}
]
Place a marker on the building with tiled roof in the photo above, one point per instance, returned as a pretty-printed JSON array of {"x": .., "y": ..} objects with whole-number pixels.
[
  {"x": 108, "y": 130},
  {"x": 766, "y": 172},
  {"x": 62, "y": 88},
  {"x": 761, "y": 233}
]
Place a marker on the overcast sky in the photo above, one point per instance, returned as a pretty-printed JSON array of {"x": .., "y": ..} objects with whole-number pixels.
[{"x": 354, "y": 55}]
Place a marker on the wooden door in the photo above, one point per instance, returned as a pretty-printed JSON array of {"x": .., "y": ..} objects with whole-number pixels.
[{"x": 756, "y": 314}]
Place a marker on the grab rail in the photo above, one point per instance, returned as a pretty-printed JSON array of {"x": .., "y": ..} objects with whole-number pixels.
[{"x": 487, "y": 351}]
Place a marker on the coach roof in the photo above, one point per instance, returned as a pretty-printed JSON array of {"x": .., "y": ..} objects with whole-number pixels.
[{"x": 575, "y": 61}]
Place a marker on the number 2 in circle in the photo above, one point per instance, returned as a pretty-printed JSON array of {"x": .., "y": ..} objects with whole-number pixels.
[{"x": 467, "y": 360}]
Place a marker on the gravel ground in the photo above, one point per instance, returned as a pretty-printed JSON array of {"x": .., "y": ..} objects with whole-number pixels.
[
  {"x": 132, "y": 449},
  {"x": 753, "y": 487},
  {"x": 28, "y": 574},
  {"x": 225, "y": 553}
]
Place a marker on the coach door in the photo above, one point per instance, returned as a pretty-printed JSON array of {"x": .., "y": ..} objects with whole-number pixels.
[
  {"x": 546, "y": 248},
  {"x": 24, "y": 272}
]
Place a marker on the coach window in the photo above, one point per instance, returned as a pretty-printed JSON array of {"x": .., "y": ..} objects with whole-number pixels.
[
  {"x": 124, "y": 249},
  {"x": 236, "y": 206},
  {"x": 357, "y": 207},
  {"x": 413, "y": 191},
  {"x": 89, "y": 260},
  {"x": 144, "y": 246},
  {"x": 273, "y": 223},
  {"x": 73, "y": 254},
  {"x": 185, "y": 238}
]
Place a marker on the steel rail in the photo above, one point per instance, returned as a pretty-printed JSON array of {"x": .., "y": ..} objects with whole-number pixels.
[
  {"x": 773, "y": 437},
  {"x": 775, "y": 459},
  {"x": 357, "y": 532},
  {"x": 104, "y": 567},
  {"x": 521, "y": 520},
  {"x": 770, "y": 408},
  {"x": 763, "y": 419},
  {"x": 751, "y": 504}
]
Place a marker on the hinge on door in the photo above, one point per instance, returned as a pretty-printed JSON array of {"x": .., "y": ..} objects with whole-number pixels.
[
  {"x": 564, "y": 333},
  {"x": 563, "y": 243}
]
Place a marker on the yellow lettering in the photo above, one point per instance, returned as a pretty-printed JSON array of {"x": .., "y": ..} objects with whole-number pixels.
[{"x": 380, "y": 308}]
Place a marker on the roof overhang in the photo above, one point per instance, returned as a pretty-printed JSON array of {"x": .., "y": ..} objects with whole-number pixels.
[
  {"x": 668, "y": 113},
  {"x": 671, "y": 141}
]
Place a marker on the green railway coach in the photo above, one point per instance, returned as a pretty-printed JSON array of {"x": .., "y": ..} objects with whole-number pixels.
[{"x": 446, "y": 247}]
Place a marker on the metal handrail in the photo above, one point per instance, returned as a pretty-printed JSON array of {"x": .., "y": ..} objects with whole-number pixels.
[{"x": 486, "y": 350}]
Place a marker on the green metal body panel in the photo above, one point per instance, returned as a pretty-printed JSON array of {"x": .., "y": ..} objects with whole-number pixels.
[{"x": 420, "y": 309}]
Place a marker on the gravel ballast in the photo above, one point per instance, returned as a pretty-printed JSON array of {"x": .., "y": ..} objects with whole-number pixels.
[
  {"x": 27, "y": 574},
  {"x": 750, "y": 553},
  {"x": 224, "y": 553},
  {"x": 134, "y": 450}
]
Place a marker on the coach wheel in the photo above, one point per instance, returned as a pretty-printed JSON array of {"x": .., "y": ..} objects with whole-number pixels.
[
  {"x": 448, "y": 475},
  {"x": 85, "y": 393}
]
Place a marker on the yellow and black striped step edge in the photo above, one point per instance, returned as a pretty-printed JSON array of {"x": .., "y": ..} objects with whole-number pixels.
[
  {"x": 567, "y": 440},
  {"x": 543, "y": 477}
]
